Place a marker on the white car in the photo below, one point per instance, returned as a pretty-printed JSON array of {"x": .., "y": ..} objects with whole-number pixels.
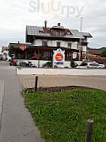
[
  {"x": 91, "y": 65},
  {"x": 8, "y": 58},
  {"x": 95, "y": 65}
]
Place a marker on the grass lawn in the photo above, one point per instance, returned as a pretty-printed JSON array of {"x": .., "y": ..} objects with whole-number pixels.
[{"x": 62, "y": 116}]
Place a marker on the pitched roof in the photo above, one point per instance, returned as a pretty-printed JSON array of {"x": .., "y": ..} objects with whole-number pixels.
[
  {"x": 17, "y": 45},
  {"x": 77, "y": 34},
  {"x": 94, "y": 52},
  {"x": 4, "y": 48},
  {"x": 100, "y": 60},
  {"x": 85, "y": 34},
  {"x": 39, "y": 31},
  {"x": 34, "y": 30}
]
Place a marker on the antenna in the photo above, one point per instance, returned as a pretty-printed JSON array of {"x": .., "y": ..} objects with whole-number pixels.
[{"x": 81, "y": 23}]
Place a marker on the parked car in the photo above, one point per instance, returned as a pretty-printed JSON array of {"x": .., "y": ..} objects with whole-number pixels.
[
  {"x": 95, "y": 65},
  {"x": 13, "y": 63},
  {"x": 82, "y": 66},
  {"x": 26, "y": 64},
  {"x": 91, "y": 65}
]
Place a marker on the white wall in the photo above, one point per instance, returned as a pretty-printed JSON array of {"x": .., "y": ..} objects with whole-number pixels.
[
  {"x": 74, "y": 45},
  {"x": 37, "y": 42},
  {"x": 53, "y": 43},
  {"x": 82, "y": 72},
  {"x": 64, "y": 44},
  {"x": 84, "y": 48},
  {"x": 35, "y": 62}
]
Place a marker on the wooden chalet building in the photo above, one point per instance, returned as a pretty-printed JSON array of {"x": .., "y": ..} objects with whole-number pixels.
[{"x": 42, "y": 41}]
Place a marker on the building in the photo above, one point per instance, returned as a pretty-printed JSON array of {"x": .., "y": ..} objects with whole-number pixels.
[
  {"x": 4, "y": 49},
  {"x": 93, "y": 52},
  {"x": 0, "y": 56},
  {"x": 5, "y": 53},
  {"x": 42, "y": 41}
]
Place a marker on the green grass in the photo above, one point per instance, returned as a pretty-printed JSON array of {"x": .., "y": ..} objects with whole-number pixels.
[{"x": 61, "y": 117}]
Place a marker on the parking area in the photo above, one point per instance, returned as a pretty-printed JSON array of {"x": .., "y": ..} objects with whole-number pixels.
[
  {"x": 97, "y": 82},
  {"x": 60, "y": 71}
]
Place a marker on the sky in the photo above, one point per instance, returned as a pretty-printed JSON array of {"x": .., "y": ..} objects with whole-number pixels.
[{"x": 15, "y": 15}]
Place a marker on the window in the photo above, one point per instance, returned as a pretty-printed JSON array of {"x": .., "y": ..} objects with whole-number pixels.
[
  {"x": 58, "y": 44},
  {"x": 69, "y": 45},
  {"x": 56, "y": 33},
  {"x": 96, "y": 65},
  {"x": 60, "y": 33},
  {"x": 44, "y": 43},
  {"x": 52, "y": 32},
  {"x": 83, "y": 64}
]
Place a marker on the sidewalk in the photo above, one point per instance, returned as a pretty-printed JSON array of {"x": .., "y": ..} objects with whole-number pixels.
[{"x": 17, "y": 124}]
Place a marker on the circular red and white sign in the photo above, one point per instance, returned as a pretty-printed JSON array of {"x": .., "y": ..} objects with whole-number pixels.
[
  {"x": 22, "y": 47},
  {"x": 59, "y": 57}
]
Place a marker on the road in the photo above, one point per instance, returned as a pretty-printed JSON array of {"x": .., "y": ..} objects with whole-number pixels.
[{"x": 16, "y": 122}]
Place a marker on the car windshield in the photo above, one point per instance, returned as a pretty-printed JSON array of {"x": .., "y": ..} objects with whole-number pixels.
[
  {"x": 94, "y": 65},
  {"x": 83, "y": 64}
]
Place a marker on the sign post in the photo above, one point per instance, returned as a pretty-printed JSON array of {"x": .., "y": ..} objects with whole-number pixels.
[{"x": 59, "y": 58}]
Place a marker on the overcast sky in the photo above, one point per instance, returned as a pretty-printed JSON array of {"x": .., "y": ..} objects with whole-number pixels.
[{"x": 15, "y": 15}]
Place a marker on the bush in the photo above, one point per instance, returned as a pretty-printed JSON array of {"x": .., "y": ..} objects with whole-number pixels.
[
  {"x": 73, "y": 64},
  {"x": 48, "y": 64},
  {"x": 103, "y": 54}
]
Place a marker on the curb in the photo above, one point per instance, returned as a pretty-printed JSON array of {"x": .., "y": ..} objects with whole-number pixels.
[{"x": 1, "y": 99}]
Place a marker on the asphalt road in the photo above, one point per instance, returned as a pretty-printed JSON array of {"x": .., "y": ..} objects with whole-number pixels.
[{"x": 16, "y": 122}]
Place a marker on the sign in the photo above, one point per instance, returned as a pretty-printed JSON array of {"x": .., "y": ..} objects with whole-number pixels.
[
  {"x": 59, "y": 58},
  {"x": 22, "y": 47}
]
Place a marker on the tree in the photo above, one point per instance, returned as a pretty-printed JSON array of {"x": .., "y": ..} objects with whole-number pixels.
[{"x": 103, "y": 54}]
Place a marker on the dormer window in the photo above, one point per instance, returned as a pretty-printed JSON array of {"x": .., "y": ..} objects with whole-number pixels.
[{"x": 68, "y": 33}]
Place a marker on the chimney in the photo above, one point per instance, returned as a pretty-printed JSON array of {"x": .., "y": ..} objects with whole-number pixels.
[
  {"x": 59, "y": 24},
  {"x": 45, "y": 24}
]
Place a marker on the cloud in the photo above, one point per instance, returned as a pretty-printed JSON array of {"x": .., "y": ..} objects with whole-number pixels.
[{"x": 15, "y": 15}]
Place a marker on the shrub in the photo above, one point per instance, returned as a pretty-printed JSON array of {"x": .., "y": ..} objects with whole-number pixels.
[
  {"x": 73, "y": 64},
  {"x": 49, "y": 64},
  {"x": 103, "y": 54}
]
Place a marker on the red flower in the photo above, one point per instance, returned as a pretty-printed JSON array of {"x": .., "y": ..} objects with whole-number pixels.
[{"x": 37, "y": 58}]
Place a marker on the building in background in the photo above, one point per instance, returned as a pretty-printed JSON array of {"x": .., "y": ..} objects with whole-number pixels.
[
  {"x": 5, "y": 53},
  {"x": 0, "y": 56},
  {"x": 93, "y": 52},
  {"x": 42, "y": 41}
]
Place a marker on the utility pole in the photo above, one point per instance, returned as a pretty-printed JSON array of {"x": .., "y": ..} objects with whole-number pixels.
[{"x": 81, "y": 23}]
